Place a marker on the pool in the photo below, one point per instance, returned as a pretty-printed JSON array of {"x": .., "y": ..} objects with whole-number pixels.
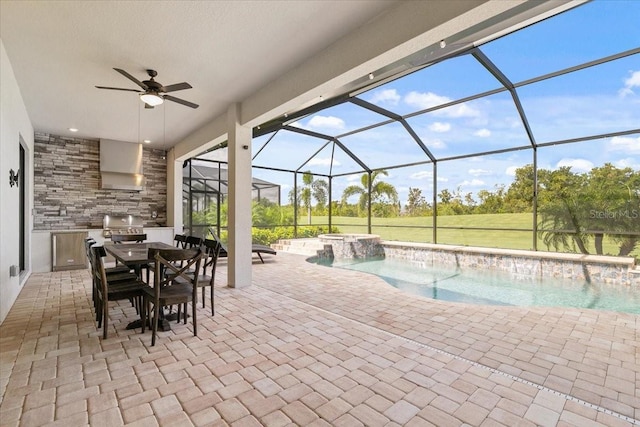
[{"x": 450, "y": 283}]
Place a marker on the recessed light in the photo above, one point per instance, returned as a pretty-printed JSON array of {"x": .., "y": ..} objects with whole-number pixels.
[
  {"x": 73, "y": 130},
  {"x": 147, "y": 141}
]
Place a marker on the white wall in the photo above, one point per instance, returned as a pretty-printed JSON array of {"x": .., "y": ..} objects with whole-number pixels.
[{"x": 14, "y": 124}]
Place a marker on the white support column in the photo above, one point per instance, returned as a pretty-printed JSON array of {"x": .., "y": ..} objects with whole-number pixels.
[
  {"x": 174, "y": 192},
  {"x": 239, "y": 214}
]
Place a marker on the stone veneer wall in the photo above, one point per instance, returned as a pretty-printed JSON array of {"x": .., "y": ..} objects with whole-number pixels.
[
  {"x": 67, "y": 193},
  {"x": 610, "y": 270}
]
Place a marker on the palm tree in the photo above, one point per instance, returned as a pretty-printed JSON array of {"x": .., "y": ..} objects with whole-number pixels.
[
  {"x": 317, "y": 189},
  {"x": 381, "y": 192}
]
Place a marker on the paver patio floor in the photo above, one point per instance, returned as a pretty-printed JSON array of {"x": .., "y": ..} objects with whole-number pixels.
[{"x": 310, "y": 346}]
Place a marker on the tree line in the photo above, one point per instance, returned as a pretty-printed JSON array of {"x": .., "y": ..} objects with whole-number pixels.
[{"x": 575, "y": 210}]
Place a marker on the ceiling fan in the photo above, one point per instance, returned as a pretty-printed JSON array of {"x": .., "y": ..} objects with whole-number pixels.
[{"x": 153, "y": 92}]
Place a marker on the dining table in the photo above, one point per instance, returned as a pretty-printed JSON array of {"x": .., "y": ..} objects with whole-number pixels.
[{"x": 136, "y": 255}]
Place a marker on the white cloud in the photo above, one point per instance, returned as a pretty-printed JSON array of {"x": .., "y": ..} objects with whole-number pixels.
[
  {"x": 577, "y": 165},
  {"x": 435, "y": 143},
  {"x": 440, "y": 127},
  {"x": 483, "y": 133},
  {"x": 459, "y": 110},
  {"x": 479, "y": 172},
  {"x": 472, "y": 183},
  {"x": 425, "y": 100},
  {"x": 629, "y": 162},
  {"x": 511, "y": 170},
  {"x": 630, "y": 83},
  {"x": 387, "y": 96},
  {"x": 318, "y": 161},
  {"x": 326, "y": 122},
  {"x": 422, "y": 175},
  {"x": 625, "y": 143}
]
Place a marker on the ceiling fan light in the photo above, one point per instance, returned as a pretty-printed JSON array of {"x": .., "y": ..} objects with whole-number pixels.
[{"x": 151, "y": 99}]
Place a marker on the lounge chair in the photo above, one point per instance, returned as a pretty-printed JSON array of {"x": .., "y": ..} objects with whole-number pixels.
[{"x": 255, "y": 248}]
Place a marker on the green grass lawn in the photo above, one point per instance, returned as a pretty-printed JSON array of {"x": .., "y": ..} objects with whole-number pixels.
[{"x": 420, "y": 229}]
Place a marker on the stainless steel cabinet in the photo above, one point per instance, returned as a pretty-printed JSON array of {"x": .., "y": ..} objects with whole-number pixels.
[{"x": 67, "y": 250}]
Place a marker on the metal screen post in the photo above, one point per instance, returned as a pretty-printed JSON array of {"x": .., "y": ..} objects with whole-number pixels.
[
  {"x": 369, "y": 210},
  {"x": 330, "y": 210},
  {"x": 295, "y": 204},
  {"x": 535, "y": 198},
  {"x": 435, "y": 203}
]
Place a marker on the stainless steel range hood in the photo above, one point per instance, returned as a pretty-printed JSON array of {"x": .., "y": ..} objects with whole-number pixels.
[{"x": 121, "y": 165}]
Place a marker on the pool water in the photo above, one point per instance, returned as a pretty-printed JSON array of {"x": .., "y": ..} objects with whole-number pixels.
[{"x": 450, "y": 283}]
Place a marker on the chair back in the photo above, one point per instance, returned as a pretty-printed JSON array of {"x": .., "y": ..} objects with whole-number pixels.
[
  {"x": 180, "y": 241},
  {"x": 168, "y": 268},
  {"x": 193, "y": 242},
  {"x": 120, "y": 238},
  {"x": 222, "y": 248},
  {"x": 212, "y": 252},
  {"x": 99, "y": 273},
  {"x": 88, "y": 242}
]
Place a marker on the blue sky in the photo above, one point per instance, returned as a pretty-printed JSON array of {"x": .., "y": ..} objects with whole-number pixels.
[{"x": 597, "y": 100}]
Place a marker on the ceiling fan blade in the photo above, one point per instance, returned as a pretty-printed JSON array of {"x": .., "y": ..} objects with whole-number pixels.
[
  {"x": 133, "y": 79},
  {"x": 180, "y": 101},
  {"x": 177, "y": 86},
  {"x": 117, "y": 88}
]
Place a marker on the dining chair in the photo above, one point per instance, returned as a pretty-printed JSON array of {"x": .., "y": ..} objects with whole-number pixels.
[
  {"x": 207, "y": 279},
  {"x": 133, "y": 238},
  {"x": 169, "y": 291},
  {"x": 193, "y": 241},
  {"x": 180, "y": 241},
  {"x": 114, "y": 274},
  {"x": 207, "y": 273},
  {"x": 106, "y": 290},
  {"x": 121, "y": 238},
  {"x": 90, "y": 241}
]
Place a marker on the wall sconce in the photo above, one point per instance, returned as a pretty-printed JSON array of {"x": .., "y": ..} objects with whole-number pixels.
[{"x": 13, "y": 177}]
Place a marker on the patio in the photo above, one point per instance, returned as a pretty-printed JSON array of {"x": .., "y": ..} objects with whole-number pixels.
[{"x": 310, "y": 346}]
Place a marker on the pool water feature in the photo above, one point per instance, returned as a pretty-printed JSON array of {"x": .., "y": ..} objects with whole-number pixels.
[{"x": 487, "y": 287}]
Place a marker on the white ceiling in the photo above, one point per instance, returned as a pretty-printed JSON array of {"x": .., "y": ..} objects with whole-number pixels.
[
  {"x": 226, "y": 50},
  {"x": 229, "y": 51}
]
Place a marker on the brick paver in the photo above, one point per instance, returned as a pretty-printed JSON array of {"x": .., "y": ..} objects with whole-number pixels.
[{"x": 309, "y": 345}]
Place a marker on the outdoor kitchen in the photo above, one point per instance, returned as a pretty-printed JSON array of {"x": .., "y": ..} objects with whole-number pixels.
[{"x": 74, "y": 193}]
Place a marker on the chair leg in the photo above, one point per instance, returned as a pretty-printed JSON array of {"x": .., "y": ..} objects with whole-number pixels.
[
  {"x": 203, "y": 298},
  {"x": 143, "y": 312},
  {"x": 99, "y": 312},
  {"x": 94, "y": 294},
  {"x": 105, "y": 318},
  {"x": 156, "y": 313},
  {"x": 213, "y": 311},
  {"x": 193, "y": 315}
]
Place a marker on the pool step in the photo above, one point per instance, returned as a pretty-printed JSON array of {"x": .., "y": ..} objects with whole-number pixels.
[{"x": 309, "y": 246}]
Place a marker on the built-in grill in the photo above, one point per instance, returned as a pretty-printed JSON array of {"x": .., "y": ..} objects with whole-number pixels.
[{"x": 122, "y": 224}]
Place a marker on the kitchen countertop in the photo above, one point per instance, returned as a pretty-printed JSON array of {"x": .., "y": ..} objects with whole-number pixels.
[{"x": 57, "y": 230}]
